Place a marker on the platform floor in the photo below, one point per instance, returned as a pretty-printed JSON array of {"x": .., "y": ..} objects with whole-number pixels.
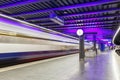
[{"x": 106, "y": 66}]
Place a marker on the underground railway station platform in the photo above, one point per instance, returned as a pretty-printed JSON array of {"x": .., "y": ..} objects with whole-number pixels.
[{"x": 59, "y": 39}]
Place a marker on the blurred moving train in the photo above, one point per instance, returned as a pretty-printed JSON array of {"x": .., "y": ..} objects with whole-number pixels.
[
  {"x": 14, "y": 50},
  {"x": 22, "y": 42},
  {"x": 116, "y": 41}
]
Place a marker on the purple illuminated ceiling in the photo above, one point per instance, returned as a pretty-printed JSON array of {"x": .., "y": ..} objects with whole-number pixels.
[
  {"x": 101, "y": 16},
  {"x": 101, "y": 33}
]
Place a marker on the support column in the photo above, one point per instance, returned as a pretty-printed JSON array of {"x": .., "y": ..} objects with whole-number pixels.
[
  {"x": 94, "y": 43},
  {"x": 81, "y": 47},
  {"x": 102, "y": 46}
]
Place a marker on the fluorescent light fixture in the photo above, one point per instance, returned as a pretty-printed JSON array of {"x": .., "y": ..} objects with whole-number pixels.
[
  {"x": 109, "y": 42},
  {"x": 105, "y": 40}
]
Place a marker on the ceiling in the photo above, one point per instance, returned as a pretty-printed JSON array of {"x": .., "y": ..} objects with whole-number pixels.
[{"x": 93, "y": 16}]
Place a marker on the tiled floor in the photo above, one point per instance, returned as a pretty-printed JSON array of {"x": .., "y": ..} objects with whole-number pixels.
[{"x": 106, "y": 66}]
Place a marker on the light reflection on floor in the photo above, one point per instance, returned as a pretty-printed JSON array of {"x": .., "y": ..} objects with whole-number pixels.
[{"x": 103, "y": 67}]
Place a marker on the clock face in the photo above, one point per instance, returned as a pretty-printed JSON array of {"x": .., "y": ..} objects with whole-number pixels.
[{"x": 79, "y": 32}]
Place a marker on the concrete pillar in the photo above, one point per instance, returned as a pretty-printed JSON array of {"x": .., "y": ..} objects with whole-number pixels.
[
  {"x": 81, "y": 47},
  {"x": 94, "y": 43}
]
